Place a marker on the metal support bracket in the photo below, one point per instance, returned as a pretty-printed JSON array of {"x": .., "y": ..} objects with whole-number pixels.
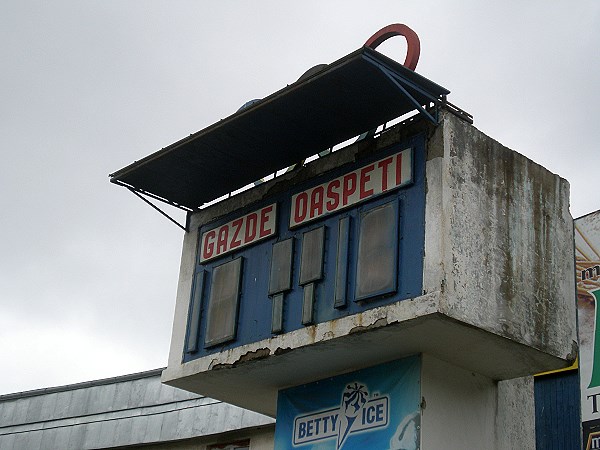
[
  {"x": 398, "y": 81},
  {"x": 157, "y": 208}
]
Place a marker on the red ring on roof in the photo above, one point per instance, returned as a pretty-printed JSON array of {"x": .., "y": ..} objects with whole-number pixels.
[{"x": 397, "y": 29}]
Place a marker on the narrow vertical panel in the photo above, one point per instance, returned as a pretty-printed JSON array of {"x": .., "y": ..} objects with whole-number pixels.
[
  {"x": 341, "y": 265},
  {"x": 308, "y": 304},
  {"x": 194, "y": 312},
  {"x": 277, "y": 314},
  {"x": 280, "y": 278},
  {"x": 311, "y": 260}
]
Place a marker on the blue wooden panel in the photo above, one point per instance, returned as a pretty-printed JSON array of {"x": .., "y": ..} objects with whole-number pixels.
[
  {"x": 341, "y": 270},
  {"x": 255, "y": 307},
  {"x": 194, "y": 312},
  {"x": 557, "y": 411}
]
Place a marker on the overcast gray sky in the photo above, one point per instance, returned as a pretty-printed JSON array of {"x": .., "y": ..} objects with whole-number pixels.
[{"x": 88, "y": 272}]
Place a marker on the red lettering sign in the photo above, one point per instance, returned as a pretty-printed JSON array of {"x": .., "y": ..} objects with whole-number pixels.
[
  {"x": 364, "y": 179},
  {"x": 300, "y": 207},
  {"x": 264, "y": 222},
  {"x": 398, "y": 168},
  {"x": 383, "y": 165},
  {"x": 316, "y": 202},
  {"x": 238, "y": 233},
  {"x": 333, "y": 196},
  {"x": 351, "y": 188},
  {"x": 208, "y": 244},
  {"x": 237, "y": 226},
  {"x": 250, "y": 233}
]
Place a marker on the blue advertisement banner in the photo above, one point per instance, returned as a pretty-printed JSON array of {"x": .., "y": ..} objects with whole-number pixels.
[{"x": 374, "y": 408}]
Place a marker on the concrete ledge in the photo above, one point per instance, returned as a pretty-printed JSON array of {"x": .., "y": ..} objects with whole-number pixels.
[{"x": 250, "y": 376}]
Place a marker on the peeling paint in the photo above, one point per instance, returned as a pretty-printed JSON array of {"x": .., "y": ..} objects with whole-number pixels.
[
  {"x": 282, "y": 351},
  {"x": 261, "y": 353},
  {"x": 378, "y": 323}
]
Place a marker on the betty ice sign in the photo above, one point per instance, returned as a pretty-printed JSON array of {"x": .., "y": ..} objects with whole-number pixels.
[
  {"x": 360, "y": 410},
  {"x": 357, "y": 413}
]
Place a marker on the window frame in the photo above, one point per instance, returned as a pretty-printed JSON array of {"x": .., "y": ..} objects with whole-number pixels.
[
  {"x": 395, "y": 205},
  {"x": 230, "y": 336},
  {"x": 321, "y": 257}
]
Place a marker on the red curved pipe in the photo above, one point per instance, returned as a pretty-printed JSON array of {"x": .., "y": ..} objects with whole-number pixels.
[{"x": 397, "y": 29}]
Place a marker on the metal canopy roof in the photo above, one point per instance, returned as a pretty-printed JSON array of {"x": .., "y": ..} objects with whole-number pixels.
[{"x": 348, "y": 97}]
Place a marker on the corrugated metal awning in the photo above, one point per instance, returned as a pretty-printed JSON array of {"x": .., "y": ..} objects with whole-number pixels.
[{"x": 350, "y": 96}]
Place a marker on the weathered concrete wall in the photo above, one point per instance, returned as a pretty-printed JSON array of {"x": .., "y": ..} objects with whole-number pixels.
[
  {"x": 264, "y": 440},
  {"x": 499, "y": 240},
  {"x": 515, "y": 420},
  {"x": 463, "y": 409},
  {"x": 458, "y": 407}
]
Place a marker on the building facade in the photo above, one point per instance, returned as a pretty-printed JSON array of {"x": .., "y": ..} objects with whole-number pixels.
[{"x": 390, "y": 292}]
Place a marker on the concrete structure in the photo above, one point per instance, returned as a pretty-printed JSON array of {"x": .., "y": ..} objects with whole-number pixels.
[
  {"x": 497, "y": 225},
  {"x": 424, "y": 261},
  {"x": 129, "y": 411},
  {"x": 398, "y": 293},
  {"x": 467, "y": 410}
]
